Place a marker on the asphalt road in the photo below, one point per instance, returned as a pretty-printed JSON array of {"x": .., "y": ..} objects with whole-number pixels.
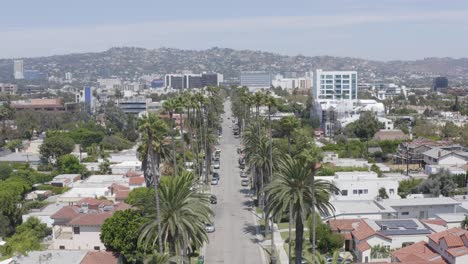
[{"x": 234, "y": 240}]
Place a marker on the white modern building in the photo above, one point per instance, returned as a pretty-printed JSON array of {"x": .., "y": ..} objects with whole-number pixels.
[
  {"x": 18, "y": 69},
  {"x": 353, "y": 209},
  {"x": 421, "y": 208},
  {"x": 335, "y": 85},
  {"x": 292, "y": 83},
  {"x": 362, "y": 185}
]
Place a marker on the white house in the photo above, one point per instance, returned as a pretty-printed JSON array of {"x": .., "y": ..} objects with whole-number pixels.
[
  {"x": 439, "y": 156},
  {"x": 421, "y": 208},
  {"x": 78, "y": 226},
  {"x": 360, "y": 209},
  {"x": 388, "y": 234},
  {"x": 362, "y": 185}
]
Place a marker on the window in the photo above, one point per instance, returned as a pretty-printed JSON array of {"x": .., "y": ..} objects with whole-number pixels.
[
  {"x": 360, "y": 191},
  {"x": 61, "y": 247},
  {"x": 404, "y": 213},
  {"x": 97, "y": 248},
  {"x": 405, "y": 244},
  {"x": 76, "y": 230},
  {"x": 354, "y": 191},
  {"x": 366, "y": 191},
  {"x": 391, "y": 191},
  {"x": 344, "y": 192}
]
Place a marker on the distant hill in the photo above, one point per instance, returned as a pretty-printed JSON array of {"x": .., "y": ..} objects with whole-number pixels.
[{"x": 131, "y": 62}]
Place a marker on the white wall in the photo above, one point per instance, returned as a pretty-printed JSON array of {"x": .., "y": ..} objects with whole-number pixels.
[
  {"x": 370, "y": 189},
  {"x": 452, "y": 160},
  {"x": 430, "y": 211},
  {"x": 87, "y": 239}
]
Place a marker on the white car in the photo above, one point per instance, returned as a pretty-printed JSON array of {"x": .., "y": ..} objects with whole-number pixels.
[
  {"x": 210, "y": 228},
  {"x": 245, "y": 182},
  {"x": 214, "y": 181},
  {"x": 216, "y": 165}
]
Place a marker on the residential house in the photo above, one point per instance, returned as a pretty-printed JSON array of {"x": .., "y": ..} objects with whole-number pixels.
[
  {"x": 78, "y": 226},
  {"x": 45, "y": 213},
  {"x": 360, "y": 209},
  {"x": 443, "y": 157},
  {"x": 446, "y": 247},
  {"x": 344, "y": 227},
  {"x": 372, "y": 240},
  {"x": 421, "y": 208},
  {"x": 362, "y": 185},
  {"x": 412, "y": 152},
  {"x": 65, "y": 180}
]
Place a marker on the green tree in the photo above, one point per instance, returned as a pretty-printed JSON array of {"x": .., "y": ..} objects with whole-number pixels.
[
  {"x": 407, "y": 186},
  {"x": 441, "y": 183},
  {"x": 184, "y": 213},
  {"x": 322, "y": 259},
  {"x": 383, "y": 193},
  {"x": 327, "y": 241},
  {"x": 14, "y": 144},
  {"x": 292, "y": 189},
  {"x": 120, "y": 233},
  {"x": 365, "y": 127},
  {"x": 5, "y": 170},
  {"x": 71, "y": 164},
  {"x": 35, "y": 227},
  {"x": 450, "y": 130},
  {"x": 287, "y": 127},
  {"x": 55, "y": 146},
  {"x": 171, "y": 106},
  {"x": 104, "y": 167}
]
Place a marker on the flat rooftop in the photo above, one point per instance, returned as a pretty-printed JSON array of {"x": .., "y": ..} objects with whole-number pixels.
[
  {"x": 52, "y": 257},
  {"x": 419, "y": 201},
  {"x": 360, "y": 207}
]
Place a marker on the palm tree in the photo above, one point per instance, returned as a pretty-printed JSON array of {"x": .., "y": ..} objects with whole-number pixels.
[
  {"x": 288, "y": 125},
  {"x": 154, "y": 129},
  {"x": 293, "y": 188},
  {"x": 311, "y": 157},
  {"x": 171, "y": 106},
  {"x": 464, "y": 223},
  {"x": 184, "y": 213}
]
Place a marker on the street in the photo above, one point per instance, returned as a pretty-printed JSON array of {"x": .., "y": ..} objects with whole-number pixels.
[{"x": 234, "y": 240}]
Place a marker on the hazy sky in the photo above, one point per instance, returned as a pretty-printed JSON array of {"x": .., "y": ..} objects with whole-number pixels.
[{"x": 376, "y": 29}]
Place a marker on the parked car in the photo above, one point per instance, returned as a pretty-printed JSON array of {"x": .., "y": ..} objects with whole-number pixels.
[
  {"x": 210, "y": 228},
  {"x": 213, "y": 199},
  {"x": 214, "y": 181},
  {"x": 243, "y": 174},
  {"x": 216, "y": 175},
  {"x": 242, "y": 166},
  {"x": 216, "y": 164},
  {"x": 245, "y": 182}
]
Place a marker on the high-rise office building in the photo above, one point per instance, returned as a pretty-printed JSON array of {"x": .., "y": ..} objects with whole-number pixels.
[
  {"x": 335, "y": 85},
  {"x": 255, "y": 79},
  {"x": 174, "y": 81},
  {"x": 211, "y": 79},
  {"x": 18, "y": 69},
  {"x": 439, "y": 83},
  {"x": 191, "y": 81}
]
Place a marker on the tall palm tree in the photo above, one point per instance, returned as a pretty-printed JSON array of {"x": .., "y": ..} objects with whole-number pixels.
[
  {"x": 171, "y": 106},
  {"x": 288, "y": 125},
  {"x": 154, "y": 129},
  {"x": 182, "y": 103},
  {"x": 184, "y": 213},
  {"x": 293, "y": 186},
  {"x": 311, "y": 157}
]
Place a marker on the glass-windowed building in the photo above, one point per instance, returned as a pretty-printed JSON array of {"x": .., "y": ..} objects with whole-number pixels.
[
  {"x": 335, "y": 85},
  {"x": 255, "y": 79}
]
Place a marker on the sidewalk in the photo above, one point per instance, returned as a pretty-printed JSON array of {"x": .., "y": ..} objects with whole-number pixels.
[{"x": 279, "y": 243}]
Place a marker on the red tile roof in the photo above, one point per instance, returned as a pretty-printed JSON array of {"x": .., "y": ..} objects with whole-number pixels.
[
  {"x": 364, "y": 231},
  {"x": 67, "y": 212},
  {"x": 449, "y": 236},
  {"x": 100, "y": 257},
  {"x": 94, "y": 202},
  {"x": 458, "y": 251},
  {"x": 136, "y": 180},
  {"x": 363, "y": 246},
  {"x": 418, "y": 253},
  {"x": 434, "y": 222},
  {"x": 121, "y": 195},
  {"x": 338, "y": 225},
  {"x": 96, "y": 219},
  {"x": 453, "y": 241}
]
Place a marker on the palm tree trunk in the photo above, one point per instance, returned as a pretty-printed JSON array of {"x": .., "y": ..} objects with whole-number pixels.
[
  {"x": 299, "y": 236},
  {"x": 182, "y": 136},
  {"x": 174, "y": 155},
  {"x": 289, "y": 145},
  {"x": 273, "y": 247},
  {"x": 155, "y": 167},
  {"x": 290, "y": 232},
  {"x": 314, "y": 218}
]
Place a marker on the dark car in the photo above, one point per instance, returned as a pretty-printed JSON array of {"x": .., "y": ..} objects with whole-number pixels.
[
  {"x": 213, "y": 199},
  {"x": 216, "y": 175}
]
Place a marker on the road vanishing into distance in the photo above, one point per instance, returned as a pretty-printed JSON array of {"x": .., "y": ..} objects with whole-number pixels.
[{"x": 234, "y": 241}]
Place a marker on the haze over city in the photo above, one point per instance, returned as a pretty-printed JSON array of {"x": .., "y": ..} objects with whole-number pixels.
[{"x": 382, "y": 30}]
